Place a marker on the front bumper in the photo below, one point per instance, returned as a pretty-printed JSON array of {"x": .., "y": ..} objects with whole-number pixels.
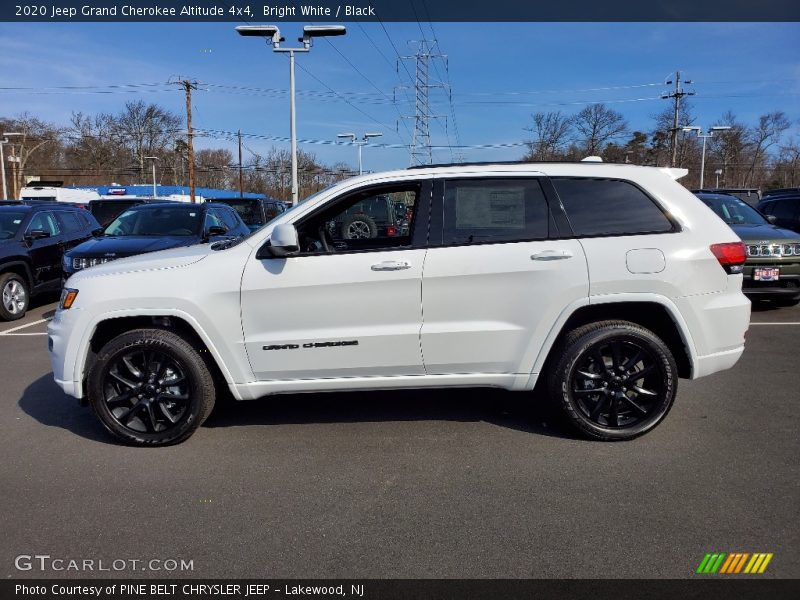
[
  {"x": 63, "y": 356},
  {"x": 787, "y": 286}
]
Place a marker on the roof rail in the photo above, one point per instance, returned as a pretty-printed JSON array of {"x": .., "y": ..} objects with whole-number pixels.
[{"x": 505, "y": 162}]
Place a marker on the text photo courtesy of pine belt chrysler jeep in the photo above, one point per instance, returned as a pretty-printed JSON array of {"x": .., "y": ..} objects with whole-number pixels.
[{"x": 603, "y": 284}]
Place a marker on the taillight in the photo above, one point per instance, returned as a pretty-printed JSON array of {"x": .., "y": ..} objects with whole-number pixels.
[
  {"x": 391, "y": 231},
  {"x": 731, "y": 256}
]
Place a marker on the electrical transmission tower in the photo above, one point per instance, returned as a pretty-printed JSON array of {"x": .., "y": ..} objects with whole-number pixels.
[
  {"x": 421, "y": 152},
  {"x": 676, "y": 95}
]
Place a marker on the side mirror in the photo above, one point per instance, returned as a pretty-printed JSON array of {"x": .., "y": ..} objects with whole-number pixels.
[
  {"x": 282, "y": 243},
  {"x": 214, "y": 230},
  {"x": 37, "y": 234},
  {"x": 772, "y": 219}
]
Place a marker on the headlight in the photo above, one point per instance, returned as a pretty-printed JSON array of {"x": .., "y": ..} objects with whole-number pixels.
[
  {"x": 67, "y": 298},
  {"x": 83, "y": 263},
  {"x": 79, "y": 263}
]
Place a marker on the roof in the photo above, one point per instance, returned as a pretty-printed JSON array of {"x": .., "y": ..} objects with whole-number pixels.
[{"x": 164, "y": 190}]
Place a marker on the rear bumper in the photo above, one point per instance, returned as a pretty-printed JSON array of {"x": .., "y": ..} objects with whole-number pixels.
[{"x": 712, "y": 363}]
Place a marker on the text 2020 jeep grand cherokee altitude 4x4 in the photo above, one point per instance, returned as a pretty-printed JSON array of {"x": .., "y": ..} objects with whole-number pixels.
[{"x": 605, "y": 282}]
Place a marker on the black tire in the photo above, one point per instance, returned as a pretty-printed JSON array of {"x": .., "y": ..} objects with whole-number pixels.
[
  {"x": 585, "y": 387},
  {"x": 359, "y": 226},
  {"x": 14, "y": 296},
  {"x": 163, "y": 375}
]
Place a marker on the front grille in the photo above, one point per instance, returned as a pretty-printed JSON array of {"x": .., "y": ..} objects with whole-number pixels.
[
  {"x": 757, "y": 250},
  {"x": 83, "y": 263}
]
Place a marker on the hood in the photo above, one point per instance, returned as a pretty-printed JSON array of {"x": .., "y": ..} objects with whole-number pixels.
[
  {"x": 152, "y": 261},
  {"x": 766, "y": 232},
  {"x": 118, "y": 247}
]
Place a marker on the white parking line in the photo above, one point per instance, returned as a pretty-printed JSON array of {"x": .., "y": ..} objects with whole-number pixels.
[
  {"x": 7, "y": 331},
  {"x": 20, "y": 334},
  {"x": 777, "y": 323}
]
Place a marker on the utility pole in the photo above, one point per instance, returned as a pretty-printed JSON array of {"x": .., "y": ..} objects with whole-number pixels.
[
  {"x": 676, "y": 95},
  {"x": 421, "y": 152},
  {"x": 3, "y": 142},
  {"x": 188, "y": 86},
  {"x": 14, "y": 160},
  {"x": 241, "y": 177}
]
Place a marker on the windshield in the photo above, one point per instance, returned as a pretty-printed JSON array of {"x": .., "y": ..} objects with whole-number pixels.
[
  {"x": 157, "y": 220},
  {"x": 107, "y": 211},
  {"x": 733, "y": 211},
  {"x": 10, "y": 222}
]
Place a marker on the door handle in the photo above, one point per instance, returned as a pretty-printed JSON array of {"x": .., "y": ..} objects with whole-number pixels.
[
  {"x": 391, "y": 265},
  {"x": 551, "y": 255}
]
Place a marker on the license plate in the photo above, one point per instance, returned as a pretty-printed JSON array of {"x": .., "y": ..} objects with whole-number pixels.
[{"x": 764, "y": 274}]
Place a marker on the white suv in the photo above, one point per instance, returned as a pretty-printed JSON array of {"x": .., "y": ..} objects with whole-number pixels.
[{"x": 604, "y": 283}]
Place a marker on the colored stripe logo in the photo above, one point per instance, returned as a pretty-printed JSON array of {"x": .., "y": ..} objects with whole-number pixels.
[{"x": 734, "y": 563}]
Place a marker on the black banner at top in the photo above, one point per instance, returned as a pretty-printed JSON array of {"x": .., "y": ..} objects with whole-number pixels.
[{"x": 273, "y": 11}]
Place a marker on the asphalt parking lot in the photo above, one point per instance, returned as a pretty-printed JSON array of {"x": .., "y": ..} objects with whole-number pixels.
[{"x": 474, "y": 483}]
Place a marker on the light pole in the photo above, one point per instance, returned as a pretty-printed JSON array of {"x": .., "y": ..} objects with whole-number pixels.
[
  {"x": 154, "y": 159},
  {"x": 718, "y": 172},
  {"x": 360, "y": 143},
  {"x": 698, "y": 131},
  {"x": 3, "y": 142},
  {"x": 273, "y": 35}
]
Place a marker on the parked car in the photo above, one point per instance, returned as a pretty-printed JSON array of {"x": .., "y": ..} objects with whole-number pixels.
[
  {"x": 790, "y": 191},
  {"x": 785, "y": 208},
  {"x": 772, "y": 270},
  {"x": 106, "y": 210},
  {"x": 751, "y": 196},
  {"x": 33, "y": 238},
  {"x": 255, "y": 212},
  {"x": 603, "y": 283},
  {"x": 372, "y": 217},
  {"x": 149, "y": 227}
]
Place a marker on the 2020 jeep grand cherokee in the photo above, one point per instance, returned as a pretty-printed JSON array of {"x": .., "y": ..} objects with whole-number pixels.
[{"x": 605, "y": 282}]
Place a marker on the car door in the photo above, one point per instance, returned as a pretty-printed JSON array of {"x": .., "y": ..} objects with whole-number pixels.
[
  {"x": 45, "y": 252},
  {"x": 497, "y": 277},
  {"x": 75, "y": 228},
  {"x": 343, "y": 306}
]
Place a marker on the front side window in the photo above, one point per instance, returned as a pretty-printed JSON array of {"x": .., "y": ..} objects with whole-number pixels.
[
  {"x": 493, "y": 211},
  {"x": 70, "y": 222},
  {"x": 597, "y": 207},
  {"x": 784, "y": 209},
  {"x": 44, "y": 221},
  {"x": 368, "y": 220}
]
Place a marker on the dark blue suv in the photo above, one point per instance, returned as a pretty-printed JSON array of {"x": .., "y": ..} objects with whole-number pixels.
[{"x": 157, "y": 226}]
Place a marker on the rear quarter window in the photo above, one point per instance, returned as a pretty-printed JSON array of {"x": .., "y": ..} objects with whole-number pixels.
[{"x": 599, "y": 207}]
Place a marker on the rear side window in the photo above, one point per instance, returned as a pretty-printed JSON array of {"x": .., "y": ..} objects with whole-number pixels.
[
  {"x": 598, "y": 207},
  {"x": 784, "y": 209},
  {"x": 70, "y": 223},
  {"x": 494, "y": 210}
]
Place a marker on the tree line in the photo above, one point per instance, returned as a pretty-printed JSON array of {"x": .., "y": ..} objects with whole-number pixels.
[
  {"x": 94, "y": 149},
  {"x": 760, "y": 155},
  {"x": 104, "y": 148}
]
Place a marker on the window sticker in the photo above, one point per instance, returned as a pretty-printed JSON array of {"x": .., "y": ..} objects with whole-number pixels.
[{"x": 490, "y": 208}]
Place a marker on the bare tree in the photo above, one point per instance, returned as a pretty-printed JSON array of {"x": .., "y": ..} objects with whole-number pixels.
[
  {"x": 764, "y": 135},
  {"x": 146, "y": 130},
  {"x": 727, "y": 149},
  {"x": 212, "y": 167},
  {"x": 550, "y": 132},
  {"x": 36, "y": 135},
  {"x": 597, "y": 124}
]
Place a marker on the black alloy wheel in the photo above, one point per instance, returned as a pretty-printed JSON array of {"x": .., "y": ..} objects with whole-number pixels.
[
  {"x": 615, "y": 380},
  {"x": 151, "y": 387}
]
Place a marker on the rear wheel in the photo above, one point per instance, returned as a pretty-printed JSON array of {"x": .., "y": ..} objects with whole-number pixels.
[
  {"x": 614, "y": 380},
  {"x": 15, "y": 296},
  {"x": 151, "y": 387}
]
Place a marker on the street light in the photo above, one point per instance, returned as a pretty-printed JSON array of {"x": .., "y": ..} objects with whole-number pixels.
[
  {"x": 360, "y": 143},
  {"x": 273, "y": 35},
  {"x": 698, "y": 131},
  {"x": 718, "y": 172},
  {"x": 3, "y": 142},
  {"x": 154, "y": 159}
]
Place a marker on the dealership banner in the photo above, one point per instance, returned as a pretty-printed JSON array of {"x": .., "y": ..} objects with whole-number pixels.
[
  {"x": 251, "y": 11},
  {"x": 405, "y": 589}
]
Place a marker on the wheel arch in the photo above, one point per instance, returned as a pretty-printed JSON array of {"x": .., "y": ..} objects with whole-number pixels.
[
  {"x": 108, "y": 327},
  {"x": 654, "y": 313},
  {"x": 21, "y": 268}
]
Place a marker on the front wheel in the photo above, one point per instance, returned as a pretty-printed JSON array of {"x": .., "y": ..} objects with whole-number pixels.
[
  {"x": 151, "y": 387},
  {"x": 614, "y": 380},
  {"x": 14, "y": 297}
]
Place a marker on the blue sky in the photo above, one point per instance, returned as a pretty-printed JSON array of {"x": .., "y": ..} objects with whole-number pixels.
[{"x": 499, "y": 73}]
